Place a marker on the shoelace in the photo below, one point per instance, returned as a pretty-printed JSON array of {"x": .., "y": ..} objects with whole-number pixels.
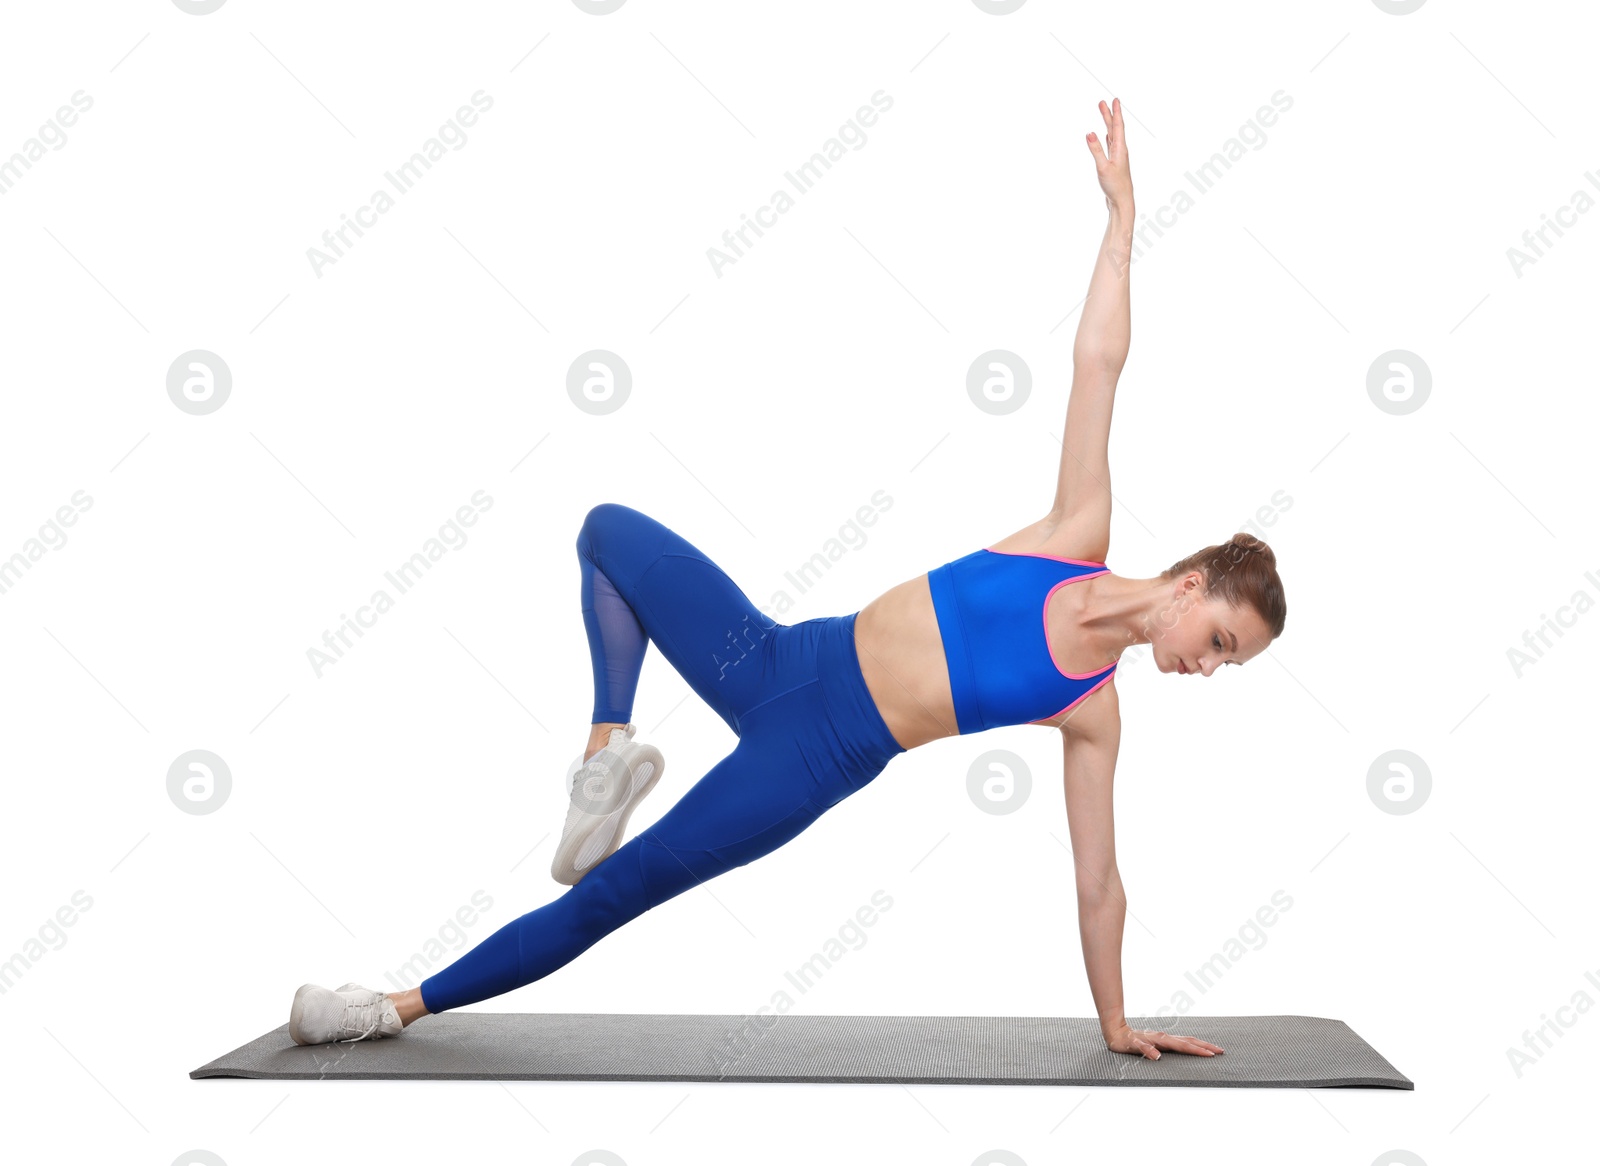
[{"x": 372, "y": 1009}]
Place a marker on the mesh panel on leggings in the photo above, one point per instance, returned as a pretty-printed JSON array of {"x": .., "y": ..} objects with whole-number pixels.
[
  {"x": 1261, "y": 1051},
  {"x": 617, "y": 643}
]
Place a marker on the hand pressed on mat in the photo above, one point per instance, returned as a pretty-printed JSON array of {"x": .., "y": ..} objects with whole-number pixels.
[{"x": 1148, "y": 1043}]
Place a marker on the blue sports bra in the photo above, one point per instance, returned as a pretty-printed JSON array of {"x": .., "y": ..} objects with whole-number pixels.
[{"x": 991, "y": 608}]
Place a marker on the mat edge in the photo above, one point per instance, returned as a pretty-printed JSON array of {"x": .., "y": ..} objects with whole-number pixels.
[{"x": 774, "y": 1079}]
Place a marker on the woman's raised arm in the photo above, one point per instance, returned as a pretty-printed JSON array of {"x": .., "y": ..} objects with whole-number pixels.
[{"x": 1083, "y": 486}]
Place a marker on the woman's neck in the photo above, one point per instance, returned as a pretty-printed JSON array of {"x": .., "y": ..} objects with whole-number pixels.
[{"x": 1119, "y": 612}]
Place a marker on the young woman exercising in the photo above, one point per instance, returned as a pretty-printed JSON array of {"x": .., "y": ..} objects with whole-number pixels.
[{"x": 1026, "y": 631}]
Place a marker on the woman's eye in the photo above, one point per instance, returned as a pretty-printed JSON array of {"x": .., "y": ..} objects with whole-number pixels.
[{"x": 1216, "y": 642}]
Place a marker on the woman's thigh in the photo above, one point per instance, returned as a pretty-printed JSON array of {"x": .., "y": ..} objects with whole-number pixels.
[
  {"x": 772, "y": 787},
  {"x": 748, "y": 804}
]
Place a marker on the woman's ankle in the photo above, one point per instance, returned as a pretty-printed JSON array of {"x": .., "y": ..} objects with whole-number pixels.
[
  {"x": 409, "y": 1005},
  {"x": 600, "y": 737}
]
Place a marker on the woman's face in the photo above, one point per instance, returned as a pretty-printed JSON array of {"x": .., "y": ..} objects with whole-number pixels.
[{"x": 1196, "y": 635}]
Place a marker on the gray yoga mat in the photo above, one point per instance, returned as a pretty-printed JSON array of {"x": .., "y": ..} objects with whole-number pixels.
[{"x": 1261, "y": 1051}]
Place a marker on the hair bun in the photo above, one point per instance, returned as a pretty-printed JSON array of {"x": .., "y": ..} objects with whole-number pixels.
[{"x": 1250, "y": 542}]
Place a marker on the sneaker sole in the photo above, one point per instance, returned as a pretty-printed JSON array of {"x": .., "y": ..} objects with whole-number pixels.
[{"x": 603, "y": 833}]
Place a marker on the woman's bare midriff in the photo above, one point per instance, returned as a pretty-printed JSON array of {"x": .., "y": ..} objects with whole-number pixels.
[{"x": 902, "y": 661}]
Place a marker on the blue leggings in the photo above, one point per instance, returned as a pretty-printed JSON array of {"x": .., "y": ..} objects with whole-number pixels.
[{"x": 809, "y": 737}]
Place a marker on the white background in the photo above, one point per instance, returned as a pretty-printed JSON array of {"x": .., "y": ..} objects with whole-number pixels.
[{"x": 768, "y": 404}]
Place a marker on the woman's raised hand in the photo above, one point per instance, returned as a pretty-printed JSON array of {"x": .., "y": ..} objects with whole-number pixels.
[{"x": 1111, "y": 162}]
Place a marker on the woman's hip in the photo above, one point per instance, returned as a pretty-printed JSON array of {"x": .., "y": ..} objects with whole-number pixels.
[{"x": 815, "y": 696}]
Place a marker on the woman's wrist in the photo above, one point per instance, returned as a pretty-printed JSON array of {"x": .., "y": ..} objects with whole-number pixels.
[{"x": 1121, "y": 211}]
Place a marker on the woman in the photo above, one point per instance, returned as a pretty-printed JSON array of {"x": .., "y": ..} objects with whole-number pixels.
[{"x": 997, "y": 637}]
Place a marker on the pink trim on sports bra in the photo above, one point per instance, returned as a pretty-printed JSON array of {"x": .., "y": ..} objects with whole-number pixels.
[
  {"x": 1080, "y": 700},
  {"x": 1045, "y": 618}
]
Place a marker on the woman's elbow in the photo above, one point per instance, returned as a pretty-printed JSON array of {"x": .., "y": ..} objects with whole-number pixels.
[{"x": 1098, "y": 889}]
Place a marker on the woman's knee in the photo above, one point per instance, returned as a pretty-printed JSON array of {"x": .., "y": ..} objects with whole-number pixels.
[
  {"x": 607, "y": 522},
  {"x": 595, "y": 524}
]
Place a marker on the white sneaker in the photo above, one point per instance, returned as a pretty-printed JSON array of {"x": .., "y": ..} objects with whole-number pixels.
[
  {"x": 320, "y": 1015},
  {"x": 602, "y": 794}
]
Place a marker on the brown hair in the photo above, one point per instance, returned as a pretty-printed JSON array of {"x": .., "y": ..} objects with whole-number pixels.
[{"x": 1242, "y": 572}]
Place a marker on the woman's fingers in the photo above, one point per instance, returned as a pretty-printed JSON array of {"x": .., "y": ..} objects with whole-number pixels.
[
  {"x": 1094, "y": 148},
  {"x": 1187, "y": 1044},
  {"x": 1148, "y": 1043},
  {"x": 1113, "y": 119}
]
